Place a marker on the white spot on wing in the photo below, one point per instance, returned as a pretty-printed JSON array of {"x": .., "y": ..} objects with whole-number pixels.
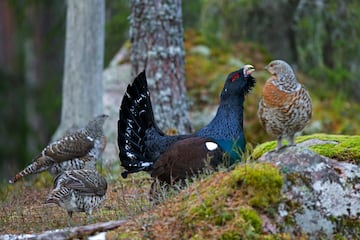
[
  {"x": 211, "y": 146},
  {"x": 145, "y": 164}
]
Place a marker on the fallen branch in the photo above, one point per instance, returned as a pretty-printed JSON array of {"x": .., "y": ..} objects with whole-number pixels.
[{"x": 70, "y": 233}]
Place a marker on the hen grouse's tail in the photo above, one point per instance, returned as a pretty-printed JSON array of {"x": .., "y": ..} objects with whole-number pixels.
[
  {"x": 135, "y": 117},
  {"x": 39, "y": 164}
]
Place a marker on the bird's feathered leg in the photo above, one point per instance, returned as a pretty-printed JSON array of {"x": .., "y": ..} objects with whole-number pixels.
[
  {"x": 279, "y": 144},
  {"x": 70, "y": 220},
  {"x": 89, "y": 216},
  {"x": 291, "y": 140}
]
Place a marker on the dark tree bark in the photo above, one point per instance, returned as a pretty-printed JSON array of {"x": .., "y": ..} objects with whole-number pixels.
[{"x": 156, "y": 35}]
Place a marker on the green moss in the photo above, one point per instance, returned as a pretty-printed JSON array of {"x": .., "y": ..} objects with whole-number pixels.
[
  {"x": 223, "y": 217},
  {"x": 231, "y": 235},
  {"x": 263, "y": 148},
  {"x": 228, "y": 203},
  {"x": 348, "y": 228},
  {"x": 346, "y": 149},
  {"x": 211, "y": 206},
  {"x": 339, "y": 237},
  {"x": 125, "y": 235},
  {"x": 262, "y": 182},
  {"x": 235, "y": 235},
  {"x": 252, "y": 218}
]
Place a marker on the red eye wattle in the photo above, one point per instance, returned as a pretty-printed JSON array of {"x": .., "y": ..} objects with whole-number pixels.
[{"x": 235, "y": 76}]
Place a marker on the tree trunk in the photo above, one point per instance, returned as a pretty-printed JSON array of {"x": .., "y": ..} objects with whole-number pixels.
[
  {"x": 84, "y": 52},
  {"x": 30, "y": 77},
  {"x": 156, "y": 35},
  {"x": 7, "y": 39}
]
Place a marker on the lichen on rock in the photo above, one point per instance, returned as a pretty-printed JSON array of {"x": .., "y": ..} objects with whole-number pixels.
[{"x": 320, "y": 193}]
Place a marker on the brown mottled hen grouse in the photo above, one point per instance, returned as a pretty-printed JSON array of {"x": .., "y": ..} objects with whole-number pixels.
[
  {"x": 285, "y": 107},
  {"x": 77, "y": 150},
  {"x": 78, "y": 191}
]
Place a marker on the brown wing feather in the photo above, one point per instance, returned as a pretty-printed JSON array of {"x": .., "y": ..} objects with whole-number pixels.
[
  {"x": 87, "y": 182},
  {"x": 69, "y": 147},
  {"x": 184, "y": 158}
]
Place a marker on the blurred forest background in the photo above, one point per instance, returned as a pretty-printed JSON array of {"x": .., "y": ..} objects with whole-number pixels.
[{"x": 321, "y": 39}]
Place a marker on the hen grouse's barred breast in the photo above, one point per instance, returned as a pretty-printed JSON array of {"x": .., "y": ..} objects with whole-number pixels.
[
  {"x": 77, "y": 150},
  {"x": 285, "y": 107},
  {"x": 78, "y": 191}
]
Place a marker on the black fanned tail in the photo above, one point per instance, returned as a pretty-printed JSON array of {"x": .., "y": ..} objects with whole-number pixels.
[{"x": 135, "y": 117}]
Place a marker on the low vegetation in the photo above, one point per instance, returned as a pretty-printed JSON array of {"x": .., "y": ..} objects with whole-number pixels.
[
  {"x": 22, "y": 209},
  {"x": 225, "y": 205},
  {"x": 237, "y": 204}
]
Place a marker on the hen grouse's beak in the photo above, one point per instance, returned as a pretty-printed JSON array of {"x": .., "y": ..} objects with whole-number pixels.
[
  {"x": 270, "y": 70},
  {"x": 248, "y": 70}
]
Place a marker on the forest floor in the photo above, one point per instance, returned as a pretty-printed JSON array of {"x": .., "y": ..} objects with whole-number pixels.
[
  {"x": 22, "y": 209},
  {"x": 234, "y": 204},
  {"x": 212, "y": 213}
]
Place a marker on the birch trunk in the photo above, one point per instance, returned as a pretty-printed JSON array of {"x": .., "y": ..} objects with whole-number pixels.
[{"x": 84, "y": 52}]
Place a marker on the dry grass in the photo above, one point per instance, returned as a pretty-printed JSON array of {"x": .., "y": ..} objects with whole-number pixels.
[
  {"x": 182, "y": 216},
  {"x": 209, "y": 208},
  {"x": 22, "y": 209}
]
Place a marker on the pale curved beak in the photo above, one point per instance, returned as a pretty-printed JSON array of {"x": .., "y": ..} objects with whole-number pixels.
[{"x": 248, "y": 69}]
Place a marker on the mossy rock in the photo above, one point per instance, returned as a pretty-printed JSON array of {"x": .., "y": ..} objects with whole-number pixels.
[
  {"x": 234, "y": 200},
  {"x": 261, "y": 182},
  {"x": 339, "y": 147}
]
